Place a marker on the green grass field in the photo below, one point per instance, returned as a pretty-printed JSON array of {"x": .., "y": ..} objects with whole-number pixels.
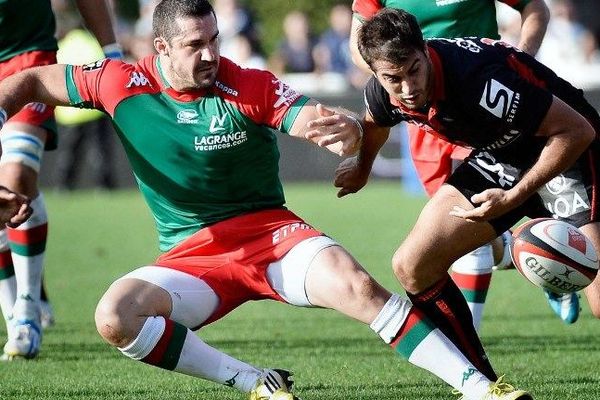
[{"x": 96, "y": 237}]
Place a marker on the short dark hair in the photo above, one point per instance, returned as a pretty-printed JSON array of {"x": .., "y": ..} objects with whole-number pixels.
[
  {"x": 391, "y": 35},
  {"x": 167, "y": 11}
]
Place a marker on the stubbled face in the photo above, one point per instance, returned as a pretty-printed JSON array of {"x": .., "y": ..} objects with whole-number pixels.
[
  {"x": 408, "y": 82},
  {"x": 192, "y": 57}
]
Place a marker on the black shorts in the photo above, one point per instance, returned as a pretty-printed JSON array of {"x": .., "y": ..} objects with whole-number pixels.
[{"x": 573, "y": 196}]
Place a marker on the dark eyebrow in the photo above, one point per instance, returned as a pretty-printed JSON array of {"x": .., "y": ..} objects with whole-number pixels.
[
  {"x": 409, "y": 68},
  {"x": 200, "y": 41}
]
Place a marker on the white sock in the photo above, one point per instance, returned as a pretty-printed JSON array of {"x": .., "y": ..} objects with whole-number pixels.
[
  {"x": 197, "y": 358},
  {"x": 8, "y": 286},
  {"x": 28, "y": 268},
  {"x": 391, "y": 318},
  {"x": 474, "y": 266},
  {"x": 428, "y": 346}
]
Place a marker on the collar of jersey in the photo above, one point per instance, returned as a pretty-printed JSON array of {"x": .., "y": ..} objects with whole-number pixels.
[{"x": 187, "y": 96}]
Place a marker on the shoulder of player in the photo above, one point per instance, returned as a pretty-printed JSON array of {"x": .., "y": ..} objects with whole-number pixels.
[
  {"x": 239, "y": 84},
  {"x": 127, "y": 79},
  {"x": 464, "y": 60}
]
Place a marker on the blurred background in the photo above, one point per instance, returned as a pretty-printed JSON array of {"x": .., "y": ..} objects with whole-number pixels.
[{"x": 305, "y": 43}]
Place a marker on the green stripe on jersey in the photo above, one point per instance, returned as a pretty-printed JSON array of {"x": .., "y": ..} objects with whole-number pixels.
[
  {"x": 411, "y": 339},
  {"x": 74, "y": 97},
  {"x": 292, "y": 114}
]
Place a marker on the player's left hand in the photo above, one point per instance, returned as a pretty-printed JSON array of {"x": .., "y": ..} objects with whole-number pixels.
[
  {"x": 332, "y": 127},
  {"x": 491, "y": 203},
  {"x": 14, "y": 208}
]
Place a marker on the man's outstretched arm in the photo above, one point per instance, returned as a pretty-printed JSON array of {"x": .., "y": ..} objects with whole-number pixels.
[{"x": 40, "y": 84}]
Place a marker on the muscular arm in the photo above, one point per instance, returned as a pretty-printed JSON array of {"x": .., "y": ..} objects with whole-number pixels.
[
  {"x": 40, "y": 84},
  {"x": 569, "y": 134},
  {"x": 534, "y": 21},
  {"x": 98, "y": 19},
  {"x": 329, "y": 127}
]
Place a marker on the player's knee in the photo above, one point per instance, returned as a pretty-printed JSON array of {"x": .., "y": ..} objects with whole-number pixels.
[
  {"x": 112, "y": 321},
  {"x": 403, "y": 269}
]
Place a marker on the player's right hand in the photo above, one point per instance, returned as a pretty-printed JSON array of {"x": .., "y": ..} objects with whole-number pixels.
[
  {"x": 14, "y": 208},
  {"x": 350, "y": 177}
]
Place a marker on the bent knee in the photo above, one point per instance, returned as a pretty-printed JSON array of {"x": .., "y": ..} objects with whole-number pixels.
[
  {"x": 112, "y": 322},
  {"x": 122, "y": 311},
  {"x": 414, "y": 272}
]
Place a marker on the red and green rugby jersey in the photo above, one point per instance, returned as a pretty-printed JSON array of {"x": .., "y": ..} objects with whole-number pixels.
[
  {"x": 26, "y": 25},
  {"x": 444, "y": 18},
  {"x": 199, "y": 157}
]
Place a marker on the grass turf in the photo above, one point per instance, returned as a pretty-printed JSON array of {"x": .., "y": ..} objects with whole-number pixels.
[{"x": 97, "y": 237}]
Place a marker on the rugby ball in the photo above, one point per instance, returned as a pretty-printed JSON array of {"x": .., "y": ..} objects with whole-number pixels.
[{"x": 554, "y": 255}]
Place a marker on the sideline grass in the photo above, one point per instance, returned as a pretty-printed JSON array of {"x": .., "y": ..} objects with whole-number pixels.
[{"x": 96, "y": 237}]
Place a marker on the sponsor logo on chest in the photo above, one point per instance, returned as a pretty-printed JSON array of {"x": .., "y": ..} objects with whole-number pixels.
[{"x": 221, "y": 133}]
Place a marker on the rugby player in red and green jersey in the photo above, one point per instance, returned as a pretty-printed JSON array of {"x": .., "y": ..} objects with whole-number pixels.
[
  {"x": 434, "y": 158},
  {"x": 198, "y": 131},
  {"x": 27, "y": 40}
]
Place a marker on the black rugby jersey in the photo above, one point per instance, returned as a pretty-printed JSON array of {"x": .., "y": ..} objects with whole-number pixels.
[{"x": 486, "y": 95}]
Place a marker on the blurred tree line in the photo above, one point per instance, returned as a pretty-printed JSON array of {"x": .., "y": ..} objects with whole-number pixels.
[{"x": 269, "y": 15}]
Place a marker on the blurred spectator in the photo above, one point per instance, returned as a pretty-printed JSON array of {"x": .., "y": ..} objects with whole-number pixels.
[
  {"x": 235, "y": 21},
  {"x": 79, "y": 126},
  {"x": 333, "y": 50},
  {"x": 568, "y": 47},
  {"x": 141, "y": 43},
  {"x": 567, "y": 40},
  {"x": 295, "y": 52},
  {"x": 245, "y": 55},
  {"x": 332, "y": 53}
]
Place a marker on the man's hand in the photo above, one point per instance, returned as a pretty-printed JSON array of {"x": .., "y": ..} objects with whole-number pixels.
[
  {"x": 492, "y": 203},
  {"x": 349, "y": 177},
  {"x": 332, "y": 127},
  {"x": 14, "y": 208}
]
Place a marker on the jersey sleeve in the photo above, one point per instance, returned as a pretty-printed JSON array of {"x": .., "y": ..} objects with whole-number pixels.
[
  {"x": 518, "y": 5},
  {"x": 269, "y": 101},
  {"x": 502, "y": 96},
  {"x": 377, "y": 101},
  {"x": 103, "y": 84},
  {"x": 365, "y": 9}
]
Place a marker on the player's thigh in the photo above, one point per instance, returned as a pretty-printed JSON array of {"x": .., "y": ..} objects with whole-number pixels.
[
  {"x": 592, "y": 292},
  {"x": 288, "y": 276},
  {"x": 438, "y": 239},
  {"x": 319, "y": 272}
]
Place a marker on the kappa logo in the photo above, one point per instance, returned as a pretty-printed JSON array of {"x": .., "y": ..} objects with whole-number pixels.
[
  {"x": 137, "y": 79},
  {"x": 499, "y": 100},
  {"x": 216, "y": 123},
  {"x": 187, "y": 116}
]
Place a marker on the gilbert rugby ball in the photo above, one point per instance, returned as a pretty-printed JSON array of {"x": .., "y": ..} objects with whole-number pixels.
[{"x": 554, "y": 255}]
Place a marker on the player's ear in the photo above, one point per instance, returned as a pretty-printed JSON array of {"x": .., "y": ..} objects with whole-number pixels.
[{"x": 160, "y": 44}]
